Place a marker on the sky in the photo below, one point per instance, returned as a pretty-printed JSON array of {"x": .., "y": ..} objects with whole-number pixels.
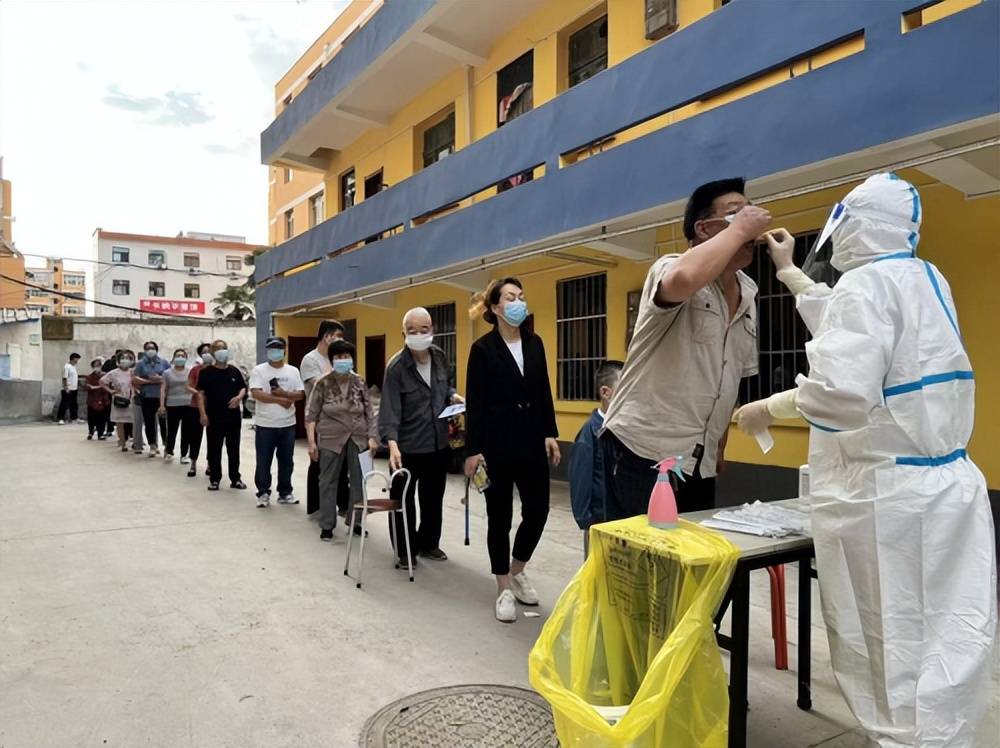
[{"x": 142, "y": 116}]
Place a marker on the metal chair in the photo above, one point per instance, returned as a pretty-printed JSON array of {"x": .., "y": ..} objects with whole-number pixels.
[{"x": 359, "y": 515}]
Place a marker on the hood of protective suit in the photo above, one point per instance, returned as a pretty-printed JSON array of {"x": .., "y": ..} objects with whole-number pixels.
[{"x": 878, "y": 218}]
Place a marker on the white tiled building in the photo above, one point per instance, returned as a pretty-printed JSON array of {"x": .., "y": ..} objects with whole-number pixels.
[{"x": 169, "y": 274}]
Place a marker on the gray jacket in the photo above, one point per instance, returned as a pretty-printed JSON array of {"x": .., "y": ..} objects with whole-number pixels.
[{"x": 409, "y": 410}]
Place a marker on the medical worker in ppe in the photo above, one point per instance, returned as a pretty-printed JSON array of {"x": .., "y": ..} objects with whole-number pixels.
[{"x": 901, "y": 520}]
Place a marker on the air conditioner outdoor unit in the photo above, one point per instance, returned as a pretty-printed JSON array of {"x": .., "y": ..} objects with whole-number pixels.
[{"x": 661, "y": 18}]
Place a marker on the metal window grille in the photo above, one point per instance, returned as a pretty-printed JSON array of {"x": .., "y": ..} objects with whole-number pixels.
[
  {"x": 588, "y": 51},
  {"x": 192, "y": 260},
  {"x": 582, "y": 334},
  {"x": 157, "y": 289},
  {"x": 119, "y": 254},
  {"x": 445, "y": 337},
  {"x": 234, "y": 263},
  {"x": 120, "y": 288},
  {"x": 192, "y": 291},
  {"x": 781, "y": 333}
]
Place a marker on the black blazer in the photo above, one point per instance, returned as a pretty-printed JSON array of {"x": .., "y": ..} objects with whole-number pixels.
[{"x": 507, "y": 414}]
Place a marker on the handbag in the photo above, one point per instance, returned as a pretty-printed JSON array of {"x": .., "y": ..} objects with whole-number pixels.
[{"x": 120, "y": 402}]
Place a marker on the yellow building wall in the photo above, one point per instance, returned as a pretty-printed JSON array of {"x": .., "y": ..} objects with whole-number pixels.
[
  {"x": 958, "y": 236},
  {"x": 12, "y": 295}
]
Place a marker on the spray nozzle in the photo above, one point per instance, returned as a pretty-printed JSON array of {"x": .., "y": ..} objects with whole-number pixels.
[{"x": 671, "y": 465}]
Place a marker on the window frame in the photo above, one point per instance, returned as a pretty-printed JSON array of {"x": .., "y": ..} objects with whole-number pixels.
[
  {"x": 575, "y": 374},
  {"x": 116, "y": 253},
  {"x": 234, "y": 260},
  {"x": 117, "y": 284},
  {"x": 159, "y": 252},
  {"x": 289, "y": 223},
  {"x": 444, "y": 319},
  {"x": 192, "y": 287},
  {"x": 343, "y": 197},
  {"x": 189, "y": 256},
  {"x": 583, "y": 66},
  {"x": 155, "y": 286},
  {"x": 446, "y": 147},
  {"x": 317, "y": 208}
]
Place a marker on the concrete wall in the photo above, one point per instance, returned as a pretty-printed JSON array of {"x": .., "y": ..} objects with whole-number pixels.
[
  {"x": 98, "y": 336},
  {"x": 20, "y": 400},
  {"x": 22, "y": 341}
]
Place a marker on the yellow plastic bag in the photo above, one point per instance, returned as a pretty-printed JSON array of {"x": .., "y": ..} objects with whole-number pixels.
[{"x": 628, "y": 658}]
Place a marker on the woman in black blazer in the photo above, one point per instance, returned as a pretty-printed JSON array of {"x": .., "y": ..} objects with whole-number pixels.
[{"x": 511, "y": 427}]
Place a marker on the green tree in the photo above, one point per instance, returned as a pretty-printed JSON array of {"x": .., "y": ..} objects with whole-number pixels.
[{"x": 236, "y": 302}]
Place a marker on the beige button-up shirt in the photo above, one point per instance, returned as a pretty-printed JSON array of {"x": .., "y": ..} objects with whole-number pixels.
[{"x": 682, "y": 373}]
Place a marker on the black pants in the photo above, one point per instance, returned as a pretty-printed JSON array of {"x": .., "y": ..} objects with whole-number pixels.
[
  {"x": 531, "y": 476},
  {"x": 67, "y": 401},
  {"x": 195, "y": 433},
  {"x": 97, "y": 421},
  {"x": 178, "y": 419},
  {"x": 312, "y": 490},
  {"x": 428, "y": 477},
  {"x": 151, "y": 418},
  {"x": 630, "y": 479},
  {"x": 224, "y": 428}
]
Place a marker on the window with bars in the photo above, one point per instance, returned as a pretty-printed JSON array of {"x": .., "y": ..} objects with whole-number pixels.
[
  {"x": 157, "y": 289},
  {"x": 588, "y": 51},
  {"x": 234, "y": 263},
  {"x": 192, "y": 260},
  {"x": 192, "y": 291},
  {"x": 120, "y": 287},
  {"x": 119, "y": 254},
  {"x": 781, "y": 333},
  {"x": 445, "y": 337},
  {"x": 582, "y": 334}
]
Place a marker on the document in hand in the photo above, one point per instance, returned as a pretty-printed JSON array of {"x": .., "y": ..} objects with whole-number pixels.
[
  {"x": 367, "y": 463},
  {"x": 452, "y": 410}
]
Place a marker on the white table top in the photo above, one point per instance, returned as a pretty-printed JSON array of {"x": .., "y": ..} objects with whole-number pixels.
[{"x": 752, "y": 546}]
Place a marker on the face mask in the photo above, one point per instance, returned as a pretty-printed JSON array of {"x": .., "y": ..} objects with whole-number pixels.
[
  {"x": 150, "y": 354},
  {"x": 343, "y": 365},
  {"x": 126, "y": 363},
  {"x": 419, "y": 342},
  {"x": 180, "y": 361},
  {"x": 221, "y": 356},
  {"x": 275, "y": 354},
  {"x": 515, "y": 312},
  {"x": 207, "y": 359}
]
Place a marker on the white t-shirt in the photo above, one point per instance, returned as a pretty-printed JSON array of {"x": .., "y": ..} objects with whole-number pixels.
[
  {"x": 272, "y": 415},
  {"x": 517, "y": 351},
  {"x": 71, "y": 376},
  {"x": 314, "y": 365},
  {"x": 424, "y": 370}
]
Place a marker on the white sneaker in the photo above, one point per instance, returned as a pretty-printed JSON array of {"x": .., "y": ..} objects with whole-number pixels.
[
  {"x": 506, "y": 609},
  {"x": 154, "y": 452},
  {"x": 290, "y": 499},
  {"x": 168, "y": 457},
  {"x": 185, "y": 460},
  {"x": 263, "y": 502},
  {"x": 523, "y": 590},
  {"x": 62, "y": 423}
]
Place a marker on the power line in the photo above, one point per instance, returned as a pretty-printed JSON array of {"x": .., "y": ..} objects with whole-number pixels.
[
  {"x": 231, "y": 275},
  {"x": 77, "y": 297}
]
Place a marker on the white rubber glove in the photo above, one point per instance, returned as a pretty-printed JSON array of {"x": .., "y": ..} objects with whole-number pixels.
[
  {"x": 794, "y": 279},
  {"x": 754, "y": 418},
  {"x": 782, "y": 405},
  {"x": 781, "y": 247}
]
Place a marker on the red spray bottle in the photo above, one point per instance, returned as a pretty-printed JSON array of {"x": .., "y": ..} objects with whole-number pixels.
[{"x": 662, "y": 510}]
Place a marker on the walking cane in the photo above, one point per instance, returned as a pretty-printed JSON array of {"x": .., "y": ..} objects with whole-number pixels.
[{"x": 466, "y": 511}]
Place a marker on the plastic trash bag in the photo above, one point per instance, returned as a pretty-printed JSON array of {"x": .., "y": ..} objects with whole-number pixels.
[{"x": 628, "y": 658}]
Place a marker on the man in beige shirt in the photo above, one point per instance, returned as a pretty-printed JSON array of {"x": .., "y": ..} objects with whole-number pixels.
[{"x": 695, "y": 339}]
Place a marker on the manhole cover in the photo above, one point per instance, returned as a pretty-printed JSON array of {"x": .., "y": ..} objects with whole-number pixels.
[{"x": 463, "y": 717}]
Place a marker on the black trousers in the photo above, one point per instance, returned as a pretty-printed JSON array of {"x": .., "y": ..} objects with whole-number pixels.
[
  {"x": 428, "y": 478},
  {"x": 151, "y": 419},
  {"x": 97, "y": 421},
  {"x": 224, "y": 428},
  {"x": 531, "y": 476},
  {"x": 195, "y": 432},
  {"x": 312, "y": 490},
  {"x": 630, "y": 479},
  {"x": 67, "y": 401},
  {"x": 178, "y": 420}
]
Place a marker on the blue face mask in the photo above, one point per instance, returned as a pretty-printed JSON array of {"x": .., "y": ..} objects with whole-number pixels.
[
  {"x": 275, "y": 354},
  {"x": 150, "y": 354},
  {"x": 343, "y": 365},
  {"x": 180, "y": 361},
  {"x": 515, "y": 312},
  {"x": 222, "y": 355}
]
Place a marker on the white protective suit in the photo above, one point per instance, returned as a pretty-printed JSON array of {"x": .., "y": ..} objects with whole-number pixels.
[{"x": 904, "y": 537}]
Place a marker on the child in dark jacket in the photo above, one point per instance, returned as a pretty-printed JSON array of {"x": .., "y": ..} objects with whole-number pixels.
[{"x": 587, "y": 485}]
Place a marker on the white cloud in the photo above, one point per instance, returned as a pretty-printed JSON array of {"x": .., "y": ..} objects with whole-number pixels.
[{"x": 142, "y": 117}]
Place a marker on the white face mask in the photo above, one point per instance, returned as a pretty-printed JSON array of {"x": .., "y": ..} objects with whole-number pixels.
[{"x": 419, "y": 342}]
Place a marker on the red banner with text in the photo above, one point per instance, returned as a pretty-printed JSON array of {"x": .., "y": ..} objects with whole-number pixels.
[{"x": 172, "y": 306}]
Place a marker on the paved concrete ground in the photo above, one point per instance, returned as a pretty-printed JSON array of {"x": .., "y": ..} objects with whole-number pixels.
[{"x": 136, "y": 608}]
